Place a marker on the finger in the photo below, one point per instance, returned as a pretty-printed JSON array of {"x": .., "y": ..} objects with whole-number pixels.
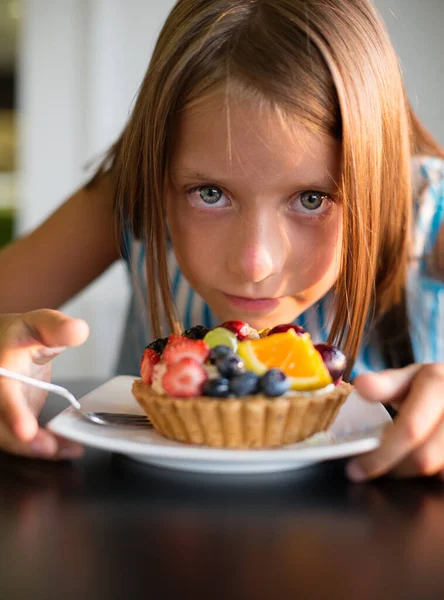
[
  {"x": 26, "y": 340},
  {"x": 15, "y": 413},
  {"x": 68, "y": 449},
  {"x": 41, "y": 355},
  {"x": 52, "y": 328},
  {"x": 427, "y": 459},
  {"x": 40, "y": 336},
  {"x": 44, "y": 445},
  {"x": 389, "y": 386},
  {"x": 419, "y": 415}
]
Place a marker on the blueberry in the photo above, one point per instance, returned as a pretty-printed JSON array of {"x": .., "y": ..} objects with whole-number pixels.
[
  {"x": 158, "y": 345},
  {"x": 219, "y": 352},
  {"x": 196, "y": 333},
  {"x": 216, "y": 387},
  {"x": 274, "y": 383},
  {"x": 244, "y": 384},
  {"x": 230, "y": 365}
]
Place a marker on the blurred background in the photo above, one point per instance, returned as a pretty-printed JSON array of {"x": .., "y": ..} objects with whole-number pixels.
[{"x": 69, "y": 71}]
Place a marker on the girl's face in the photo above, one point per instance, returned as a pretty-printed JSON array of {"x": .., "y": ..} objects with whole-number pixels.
[{"x": 253, "y": 211}]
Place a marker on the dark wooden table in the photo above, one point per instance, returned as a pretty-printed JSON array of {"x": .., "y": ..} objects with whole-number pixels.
[{"x": 107, "y": 527}]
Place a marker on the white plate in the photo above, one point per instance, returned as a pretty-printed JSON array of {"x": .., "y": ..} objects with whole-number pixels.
[{"x": 357, "y": 429}]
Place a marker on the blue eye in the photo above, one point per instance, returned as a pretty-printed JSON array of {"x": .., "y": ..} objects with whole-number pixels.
[{"x": 210, "y": 194}]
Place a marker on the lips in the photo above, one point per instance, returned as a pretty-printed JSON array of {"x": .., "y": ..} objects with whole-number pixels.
[{"x": 252, "y": 304}]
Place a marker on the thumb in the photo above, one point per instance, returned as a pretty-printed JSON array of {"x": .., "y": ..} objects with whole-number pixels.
[
  {"x": 388, "y": 387},
  {"x": 53, "y": 329}
]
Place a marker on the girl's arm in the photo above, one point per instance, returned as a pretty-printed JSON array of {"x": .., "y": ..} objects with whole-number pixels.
[
  {"x": 68, "y": 251},
  {"x": 439, "y": 254},
  {"x": 43, "y": 270},
  {"x": 414, "y": 444}
]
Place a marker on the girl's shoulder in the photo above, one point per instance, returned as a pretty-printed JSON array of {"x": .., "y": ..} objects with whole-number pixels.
[
  {"x": 425, "y": 284},
  {"x": 428, "y": 204},
  {"x": 426, "y": 171}
]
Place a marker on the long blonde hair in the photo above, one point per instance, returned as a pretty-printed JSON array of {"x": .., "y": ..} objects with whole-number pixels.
[{"x": 329, "y": 63}]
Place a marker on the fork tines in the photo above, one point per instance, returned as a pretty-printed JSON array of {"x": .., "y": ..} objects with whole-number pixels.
[{"x": 124, "y": 418}]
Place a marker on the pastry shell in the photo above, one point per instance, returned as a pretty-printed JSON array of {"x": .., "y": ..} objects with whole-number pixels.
[{"x": 241, "y": 423}]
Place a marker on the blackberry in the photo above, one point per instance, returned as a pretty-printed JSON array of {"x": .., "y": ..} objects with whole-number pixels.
[
  {"x": 158, "y": 345},
  {"x": 196, "y": 333}
]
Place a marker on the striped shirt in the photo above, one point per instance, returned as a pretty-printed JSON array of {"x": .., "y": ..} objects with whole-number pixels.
[{"x": 425, "y": 291}]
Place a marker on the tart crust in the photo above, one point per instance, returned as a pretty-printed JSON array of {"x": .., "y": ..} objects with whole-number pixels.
[{"x": 240, "y": 423}]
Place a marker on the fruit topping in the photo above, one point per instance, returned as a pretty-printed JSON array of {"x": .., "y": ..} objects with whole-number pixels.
[
  {"x": 149, "y": 359},
  {"x": 211, "y": 371},
  {"x": 196, "y": 333},
  {"x": 185, "y": 348},
  {"x": 229, "y": 366},
  {"x": 158, "y": 345},
  {"x": 244, "y": 384},
  {"x": 174, "y": 339},
  {"x": 334, "y": 360},
  {"x": 264, "y": 332},
  {"x": 219, "y": 352},
  {"x": 286, "y": 327},
  {"x": 216, "y": 364},
  {"x": 293, "y": 354},
  {"x": 184, "y": 379},
  {"x": 221, "y": 337},
  {"x": 242, "y": 330},
  {"x": 274, "y": 383},
  {"x": 219, "y": 388},
  {"x": 159, "y": 371}
]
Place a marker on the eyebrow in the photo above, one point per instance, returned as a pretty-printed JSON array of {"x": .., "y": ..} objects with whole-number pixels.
[
  {"x": 324, "y": 182},
  {"x": 195, "y": 175}
]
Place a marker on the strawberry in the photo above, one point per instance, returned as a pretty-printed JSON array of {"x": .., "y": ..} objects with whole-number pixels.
[
  {"x": 184, "y": 379},
  {"x": 242, "y": 330},
  {"x": 149, "y": 359},
  {"x": 174, "y": 339},
  {"x": 186, "y": 348}
]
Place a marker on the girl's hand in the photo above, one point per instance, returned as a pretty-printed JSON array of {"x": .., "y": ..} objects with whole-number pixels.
[
  {"x": 414, "y": 444},
  {"x": 28, "y": 343}
]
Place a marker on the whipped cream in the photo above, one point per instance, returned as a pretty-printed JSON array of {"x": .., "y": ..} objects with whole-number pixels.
[
  {"x": 325, "y": 390},
  {"x": 211, "y": 371},
  {"x": 158, "y": 373}
]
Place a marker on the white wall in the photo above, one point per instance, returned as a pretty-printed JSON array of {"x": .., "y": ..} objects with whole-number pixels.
[
  {"x": 81, "y": 62},
  {"x": 416, "y": 28}
]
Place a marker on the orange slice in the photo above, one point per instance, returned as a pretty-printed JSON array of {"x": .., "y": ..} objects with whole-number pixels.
[{"x": 294, "y": 354}]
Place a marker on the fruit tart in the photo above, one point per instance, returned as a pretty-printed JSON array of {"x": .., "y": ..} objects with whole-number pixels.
[{"x": 235, "y": 387}]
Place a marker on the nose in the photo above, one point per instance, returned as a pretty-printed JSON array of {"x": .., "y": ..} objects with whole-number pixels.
[{"x": 258, "y": 249}]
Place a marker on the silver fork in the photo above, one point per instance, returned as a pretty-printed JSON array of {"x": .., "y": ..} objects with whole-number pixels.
[{"x": 98, "y": 418}]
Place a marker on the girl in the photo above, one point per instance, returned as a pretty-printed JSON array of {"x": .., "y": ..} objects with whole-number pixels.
[{"x": 271, "y": 171}]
